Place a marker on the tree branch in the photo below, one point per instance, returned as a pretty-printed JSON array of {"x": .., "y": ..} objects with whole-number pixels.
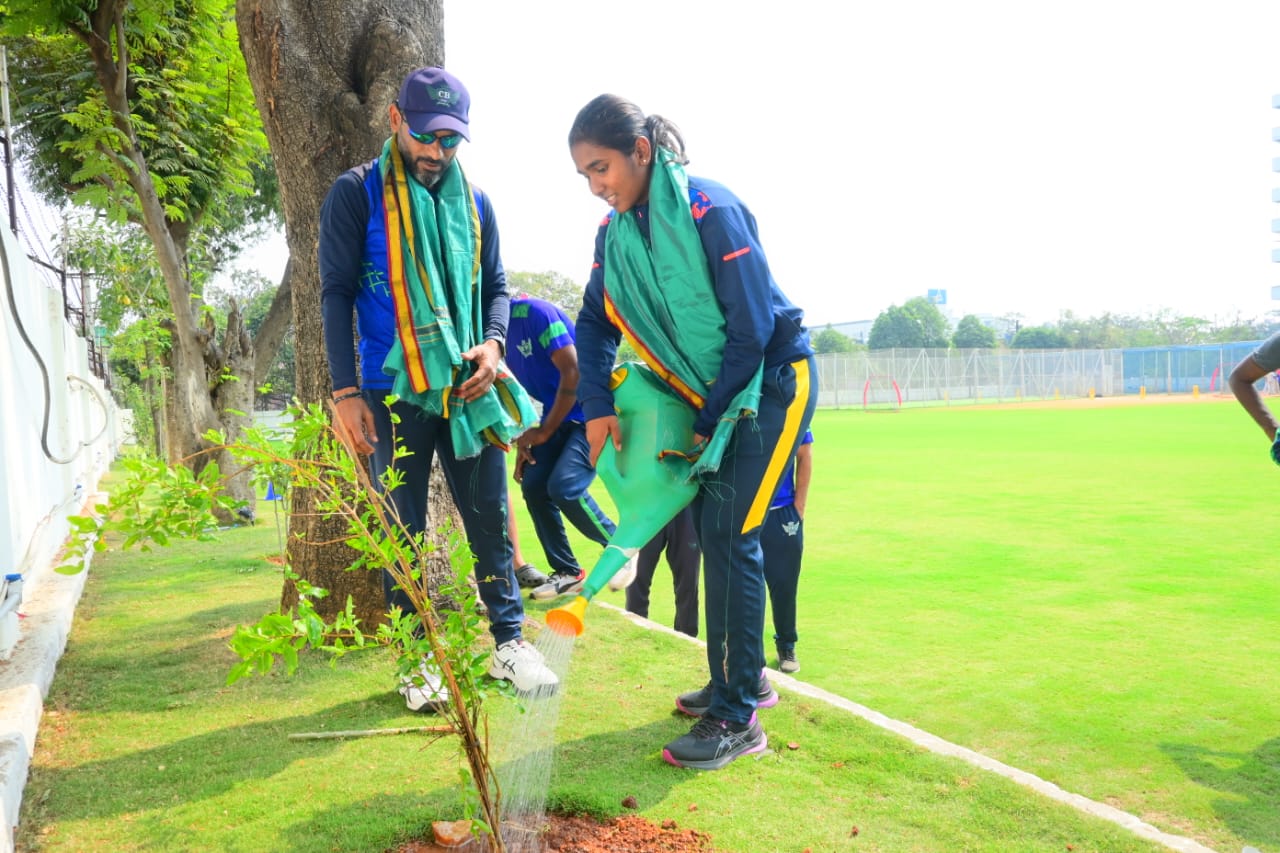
[
  {"x": 274, "y": 326},
  {"x": 122, "y": 51}
]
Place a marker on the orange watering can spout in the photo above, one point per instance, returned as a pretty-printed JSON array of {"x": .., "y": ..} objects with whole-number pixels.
[
  {"x": 648, "y": 479},
  {"x": 567, "y": 620}
]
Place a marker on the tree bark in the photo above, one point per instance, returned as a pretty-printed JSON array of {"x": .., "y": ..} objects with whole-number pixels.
[{"x": 324, "y": 74}]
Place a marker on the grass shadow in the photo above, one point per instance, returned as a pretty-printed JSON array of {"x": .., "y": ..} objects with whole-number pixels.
[
  {"x": 1251, "y": 781},
  {"x": 227, "y": 758}
]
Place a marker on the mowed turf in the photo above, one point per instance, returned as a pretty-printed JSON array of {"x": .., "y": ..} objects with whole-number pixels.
[{"x": 1089, "y": 592}]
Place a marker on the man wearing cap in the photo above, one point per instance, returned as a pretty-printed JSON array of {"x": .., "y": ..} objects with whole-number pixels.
[{"x": 412, "y": 246}]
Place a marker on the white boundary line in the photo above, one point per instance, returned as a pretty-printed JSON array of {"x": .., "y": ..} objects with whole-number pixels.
[{"x": 937, "y": 745}]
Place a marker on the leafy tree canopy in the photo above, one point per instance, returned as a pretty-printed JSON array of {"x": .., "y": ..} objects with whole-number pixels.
[
  {"x": 127, "y": 284},
  {"x": 972, "y": 333},
  {"x": 1161, "y": 328},
  {"x": 917, "y": 324},
  {"x": 1039, "y": 337},
  {"x": 191, "y": 113},
  {"x": 552, "y": 286},
  {"x": 830, "y": 340}
]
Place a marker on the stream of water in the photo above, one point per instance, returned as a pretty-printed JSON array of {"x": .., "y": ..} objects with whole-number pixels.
[{"x": 523, "y": 751}]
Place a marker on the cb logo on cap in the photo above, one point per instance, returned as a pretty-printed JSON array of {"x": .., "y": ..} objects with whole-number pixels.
[{"x": 442, "y": 95}]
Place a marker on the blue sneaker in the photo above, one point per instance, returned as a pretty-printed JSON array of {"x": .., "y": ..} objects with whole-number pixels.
[{"x": 712, "y": 743}]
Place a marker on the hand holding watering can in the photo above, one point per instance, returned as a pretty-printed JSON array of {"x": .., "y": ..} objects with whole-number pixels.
[{"x": 641, "y": 458}]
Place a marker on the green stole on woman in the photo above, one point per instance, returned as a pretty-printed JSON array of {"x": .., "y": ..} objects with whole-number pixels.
[
  {"x": 433, "y": 267},
  {"x": 659, "y": 292}
]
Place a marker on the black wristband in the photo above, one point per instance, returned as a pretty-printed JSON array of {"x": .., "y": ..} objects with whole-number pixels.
[{"x": 348, "y": 396}]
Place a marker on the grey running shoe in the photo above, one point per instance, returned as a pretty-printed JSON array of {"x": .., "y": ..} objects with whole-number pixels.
[
  {"x": 712, "y": 743},
  {"x": 529, "y": 577},
  {"x": 561, "y": 583},
  {"x": 696, "y": 702},
  {"x": 787, "y": 659}
]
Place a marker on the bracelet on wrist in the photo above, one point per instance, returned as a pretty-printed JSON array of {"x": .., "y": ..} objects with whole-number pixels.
[{"x": 347, "y": 396}]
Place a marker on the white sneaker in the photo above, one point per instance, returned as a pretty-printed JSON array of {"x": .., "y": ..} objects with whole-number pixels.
[
  {"x": 533, "y": 650},
  {"x": 623, "y": 577},
  {"x": 430, "y": 695},
  {"x": 522, "y": 665}
]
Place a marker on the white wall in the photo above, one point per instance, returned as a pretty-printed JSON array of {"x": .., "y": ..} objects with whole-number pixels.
[{"x": 58, "y": 432}]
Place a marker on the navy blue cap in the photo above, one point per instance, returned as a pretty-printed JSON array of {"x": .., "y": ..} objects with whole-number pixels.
[{"x": 432, "y": 99}]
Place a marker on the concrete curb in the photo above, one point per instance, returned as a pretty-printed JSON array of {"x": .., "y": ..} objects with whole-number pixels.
[{"x": 47, "y": 611}]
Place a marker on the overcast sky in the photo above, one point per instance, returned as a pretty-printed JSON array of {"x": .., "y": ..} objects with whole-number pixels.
[{"x": 1028, "y": 157}]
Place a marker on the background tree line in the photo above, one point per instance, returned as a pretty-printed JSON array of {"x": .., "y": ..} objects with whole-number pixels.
[{"x": 919, "y": 324}]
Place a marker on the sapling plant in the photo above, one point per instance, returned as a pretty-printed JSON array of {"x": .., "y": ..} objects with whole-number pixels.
[{"x": 445, "y": 631}]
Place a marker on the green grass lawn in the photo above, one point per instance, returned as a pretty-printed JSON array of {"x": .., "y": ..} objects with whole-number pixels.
[{"x": 1089, "y": 595}]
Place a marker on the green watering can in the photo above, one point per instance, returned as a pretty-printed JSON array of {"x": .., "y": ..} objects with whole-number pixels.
[{"x": 648, "y": 479}]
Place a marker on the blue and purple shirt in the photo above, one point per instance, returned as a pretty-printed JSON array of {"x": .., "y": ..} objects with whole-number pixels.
[{"x": 536, "y": 330}]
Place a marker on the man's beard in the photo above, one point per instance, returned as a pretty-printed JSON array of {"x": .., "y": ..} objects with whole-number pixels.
[{"x": 417, "y": 167}]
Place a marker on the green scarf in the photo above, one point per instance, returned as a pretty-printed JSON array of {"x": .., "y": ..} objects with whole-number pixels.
[
  {"x": 660, "y": 294},
  {"x": 433, "y": 267}
]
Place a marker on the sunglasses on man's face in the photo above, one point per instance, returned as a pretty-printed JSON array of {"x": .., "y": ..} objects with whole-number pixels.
[{"x": 453, "y": 140}]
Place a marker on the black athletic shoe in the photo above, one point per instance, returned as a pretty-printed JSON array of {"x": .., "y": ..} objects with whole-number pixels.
[
  {"x": 787, "y": 659},
  {"x": 696, "y": 703},
  {"x": 712, "y": 743}
]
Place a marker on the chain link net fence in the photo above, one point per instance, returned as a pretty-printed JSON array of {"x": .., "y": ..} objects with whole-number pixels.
[{"x": 887, "y": 379}]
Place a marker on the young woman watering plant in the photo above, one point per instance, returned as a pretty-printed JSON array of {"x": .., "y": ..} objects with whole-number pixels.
[{"x": 680, "y": 272}]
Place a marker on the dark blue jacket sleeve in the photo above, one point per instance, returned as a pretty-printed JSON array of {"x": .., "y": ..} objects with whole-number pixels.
[
  {"x": 495, "y": 302},
  {"x": 597, "y": 342},
  {"x": 344, "y": 217},
  {"x": 744, "y": 290}
]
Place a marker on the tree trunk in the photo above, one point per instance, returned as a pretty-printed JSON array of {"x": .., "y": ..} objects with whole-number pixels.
[
  {"x": 156, "y": 395},
  {"x": 274, "y": 328},
  {"x": 316, "y": 543},
  {"x": 323, "y": 76},
  {"x": 232, "y": 398}
]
